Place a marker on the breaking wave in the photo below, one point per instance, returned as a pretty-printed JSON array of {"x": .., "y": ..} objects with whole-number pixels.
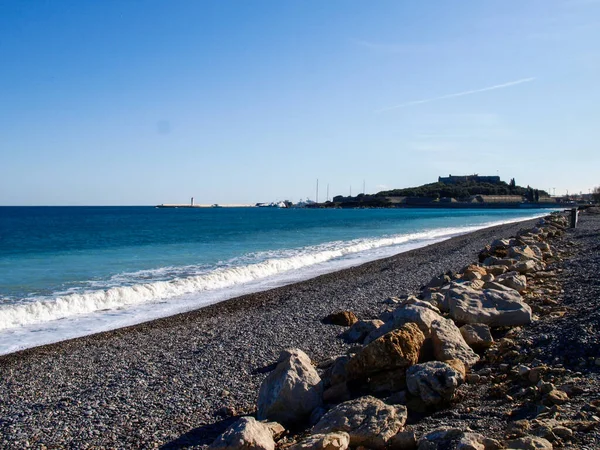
[{"x": 129, "y": 293}]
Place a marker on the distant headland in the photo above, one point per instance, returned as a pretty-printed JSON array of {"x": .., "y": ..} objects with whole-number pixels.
[{"x": 455, "y": 191}]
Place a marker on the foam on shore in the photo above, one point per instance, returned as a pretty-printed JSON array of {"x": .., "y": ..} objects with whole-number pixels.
[{"x": 52, "y": 319}]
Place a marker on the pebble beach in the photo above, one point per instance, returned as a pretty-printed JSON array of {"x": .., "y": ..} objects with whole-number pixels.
[{"x": 178, "y": 382}]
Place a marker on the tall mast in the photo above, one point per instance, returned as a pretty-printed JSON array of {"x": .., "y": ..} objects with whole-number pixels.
[
  {"x": 327, "y": 198},
  {"x": 317, "y": 191},
  {"x": 364, "y": 187}
]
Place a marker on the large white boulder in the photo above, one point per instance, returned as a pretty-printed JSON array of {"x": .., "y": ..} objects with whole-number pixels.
[
  {"x": 369, "y": 421},
  {"x": 448, "y": 343},
  {"x": 292, "y": 391},
  {"x": 492, "y": 307}
]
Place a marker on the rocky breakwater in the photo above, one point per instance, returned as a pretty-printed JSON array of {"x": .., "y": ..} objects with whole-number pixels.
[{"x": 402, "y": 384}]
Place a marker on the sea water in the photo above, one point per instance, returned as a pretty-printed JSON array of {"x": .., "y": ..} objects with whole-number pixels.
[{"x": 71, "y": 271}]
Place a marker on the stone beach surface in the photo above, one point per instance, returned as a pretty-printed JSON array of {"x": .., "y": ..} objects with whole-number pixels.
[{"x": 181, "y": 381}]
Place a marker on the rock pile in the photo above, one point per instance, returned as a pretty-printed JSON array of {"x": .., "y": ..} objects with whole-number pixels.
[{"x": 413, "y": 359}]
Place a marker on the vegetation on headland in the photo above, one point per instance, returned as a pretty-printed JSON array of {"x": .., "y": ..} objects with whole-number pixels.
[{"x": 461, "y": 191}]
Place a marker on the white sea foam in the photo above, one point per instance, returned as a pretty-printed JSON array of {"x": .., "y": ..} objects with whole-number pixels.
[{"x": 278, "y": 263}]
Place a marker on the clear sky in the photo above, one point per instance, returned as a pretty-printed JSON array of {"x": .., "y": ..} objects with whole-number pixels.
[{"x": 145, "y": 102}]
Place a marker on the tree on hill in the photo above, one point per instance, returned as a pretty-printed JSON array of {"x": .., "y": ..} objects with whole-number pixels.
[{"x": 463, "y": 190}]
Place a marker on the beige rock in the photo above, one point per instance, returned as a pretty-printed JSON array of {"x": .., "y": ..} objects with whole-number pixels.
[
  {"x": 448, "y": 343},
  {"x": 558, "y": 397},
  {"x": 409, "y": 312},
  {"x": 525, "y": 267},
  {"x": 245, "y": 434},
  {"x": 563, "y": 432},
  {"x": 369, "y": 421},
  {"x": 529, "y": 443},
  {"x": 477, "y": 335},
  {"x": 434, "y": 382},
  {"x": 291, "y": 391},
  {"x": 276, "y": 429},
  {"x": 522, "y": 253},
  {"x": 339, "y": 440},
  {"x": 513, "y": 280},
  {"x": 394, "y": 350}
]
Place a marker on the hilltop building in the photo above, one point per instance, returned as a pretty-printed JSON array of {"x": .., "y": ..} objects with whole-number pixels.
[{"x": 456, "y": 179}]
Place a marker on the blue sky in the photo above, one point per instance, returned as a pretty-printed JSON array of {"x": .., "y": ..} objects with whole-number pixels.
[{"x": 146, "y": 102}]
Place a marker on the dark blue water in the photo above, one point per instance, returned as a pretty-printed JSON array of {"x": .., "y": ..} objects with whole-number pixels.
[{"x": 77, "y": 263}]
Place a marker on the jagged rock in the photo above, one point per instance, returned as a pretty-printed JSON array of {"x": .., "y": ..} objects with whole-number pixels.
[
  {"x": 343, "y": 318},
  {"x": 339, "y": 440},
  {"x": 387, "y": 382},
  {"x": 416, "y": 313},
  {"x": 360, "y": 330},
  {"x": 245, "y": 434},
  {"x": 455, "y": 438},
  {"x": 529, "y": 443},
  {"x": 434, "y": 382},
  {"x": 291, "y": 391},
  {"x": 522, "y": 253},
  {"x": 503, "y": 243},
  {"x": 525, "y": 267},
  {"x": 368, "y": 421},
  {"x": 403, "y": 440},
  {"x": 491, "y": 307},
  {"x": 448, "y": 343},
  {"x": 474, "y": 272},
  {"x": 477, "y": 335},
  {"x": 395, "y": 350},
  {"x": 513, "y": 280},
  {"x": 277, "y": 430}
]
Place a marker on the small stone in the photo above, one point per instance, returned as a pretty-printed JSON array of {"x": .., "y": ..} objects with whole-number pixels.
[
  {"x": 473, "y": 378},
  {"x": 558, "y": 397},
  {"x": 563, "y": 432},
  {"x": 523, "y": 370}
]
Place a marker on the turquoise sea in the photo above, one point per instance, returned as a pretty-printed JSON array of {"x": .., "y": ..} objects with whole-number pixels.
[{"x": 72, "y": 271}]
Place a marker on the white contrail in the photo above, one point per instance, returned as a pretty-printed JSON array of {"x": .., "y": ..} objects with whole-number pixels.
[{"x": 458, "y": 94}]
